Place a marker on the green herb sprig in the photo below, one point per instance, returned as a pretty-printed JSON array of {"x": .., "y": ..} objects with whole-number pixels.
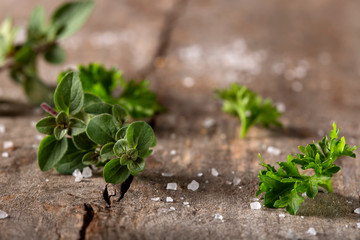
[
  {"x": 283, "y": 187},
  {"x": 42, "y": 39},
  {"x": 135, "y": 97},
  {"x": 249, "y": 107},
  {"x": 83, "y": 130}
]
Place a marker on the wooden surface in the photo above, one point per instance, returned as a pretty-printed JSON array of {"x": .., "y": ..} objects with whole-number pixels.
[{"x": 303, "y": 54}]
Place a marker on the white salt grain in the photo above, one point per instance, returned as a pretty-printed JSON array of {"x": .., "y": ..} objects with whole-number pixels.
[
  {"x": 8, "y": 144},
  {"x": 236, "y": 181},
  {"x": 281, "y": 107},
  {"x": 214, "y": 172},
  {"x": 156, "y": 199},
  {"x": 171, "y": 186},
  {"x": 228, "y": 182},
  {"x": 2, "y": 128},
  {"x": 172, "y": 209},
  {"x": 46, "y": 180},
  {"x": 311, "y": 231},
  {"x": 255, "y": 205},
  {"x": 358, "y": 225},
  {"x": 169, "y": 199},
  {"x": 167, "y": 174},
  {"x": 3, "y": 214},
  {"x": 273, "y": 150},
  {"x": 87, "y": 172},
  {"x": 357, "y": 211},
  {"x": 194, "y": 185},
  {"x": 209, "y": 122},
  {"x": 200, "y": 174},
  {"x": 302, "y": 217},
  {"x": 173, "y": 152},
  {"x": 78, "y": 176},
  {"x": 281, "y": 215},
  {"x": 297, "y": 86},
  {"x": 219, "y": 217},
  {"x": 188, "y": 82},
  {"x": 5, "y": 154},
  {"x": 186, "y": 203}
]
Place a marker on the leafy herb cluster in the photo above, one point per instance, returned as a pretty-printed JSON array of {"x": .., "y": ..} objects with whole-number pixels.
[
  {"x": 83, "y": 130},
  {"x": 249, "y": 107},
  {"x": 42, "y": 39},
  {"x": 135, "y": 97},
  {"x": 283, "y": 187}
]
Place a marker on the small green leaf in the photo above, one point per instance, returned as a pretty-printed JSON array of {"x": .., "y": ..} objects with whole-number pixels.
[
  {"x": 59, "y": 132},
  {"x": 121, "y": 147},
  {"x": 46, "y": 125},
  {"x": 50, "y": 152},
  {"x": 55, "y": 54},
  {"x": 102, "y": 129},
  {"x": 121, "y": 133},
  {"x": 36, "y": 27},
  {"x": 98, "y": 108},
  {"x": 82, "y": 142},
  {"x": 69, "y": 17},
  {"x": 71, "y": 160},
  {"x": 91, "y": 98},
  {"x": 125, "y": 160},
  {"x": 76, "y": 126},
  {"x": 90, "y": 158},
  {"x": 25, "y": 55},
  {"x": 119, "y": 113},
  {"x": 69, "y": 96},
  {"x": 136, "y": 166},
  {"x": 140, "y": 136},
  {"x": 107, "y": 151},
  {"x": 114, "y": 172},
  {"x": 62, "y": 119}
]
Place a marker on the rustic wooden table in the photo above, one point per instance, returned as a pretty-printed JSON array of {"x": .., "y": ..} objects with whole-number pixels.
[{"x": 305, "y": 55}]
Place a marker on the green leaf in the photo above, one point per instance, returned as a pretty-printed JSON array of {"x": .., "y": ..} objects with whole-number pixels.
[
  {"x": 136, "y": 166},
  {"x": 90, "y": 98},
  {"x": 76, "y": 126},
  {"x": 60, "y": 133},
  {"x": 98, "y": 108},
  {"x": 121, "y": 133},
  {"x": 114, "y": 172},
  {"x": 121, "y": 147},
  {"x": 62, "y": 119},
  {"x": 82, "y": 142},
  {"x": 55, "y": 54},
  {"x": 71, "y": 160},
  {"x": 107, "y": 151},
  {"x": 50, "y": 152},
  {"x": 90, "y": 158},
  {"x": 36, "y": 27},
  {"x": 119, "y": 113},
  {"x": 46, "y": 125},
  {"x": 69, "y": 17},
  {"x": 140, "y": 136},
  {"x": 25, "y": 55},
  {"x": 102, "y": 129},
  {"x": 69, "y": 96}
]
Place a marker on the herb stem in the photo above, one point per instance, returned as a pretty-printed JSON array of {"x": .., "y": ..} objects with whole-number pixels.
[{"x": 49, "y": 109}]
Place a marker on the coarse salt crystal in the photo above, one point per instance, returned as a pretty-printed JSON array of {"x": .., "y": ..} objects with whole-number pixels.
[
  {"x": 167, "y": 174},
  {"x": 8, "y": 144},
  {"x": 358, "y": 225},
  {"x": 214, "y": 172},
  {"x": 297, "y": 86},
  {"x": 209, "y": 122},
  {"x": 273, "y": 150},
  {"x": 156, "y": 199},
  {"x": 311, "y": 231},
  {"x": 5, "y": 154},
  {"x": 186, "y": 203},
  {"x": 200, "y": 174},
  {"x": 255, "y": 205},
  {"x": 228, "y": 182},
  {"x": 172, "y": 209},
  {"x": 173, "y": 152},
  {"x": 281, "y": 107},
  {"x": 2, "y": 129},
  {"x": 78, "y": 176},
  {"x": 3, "y": 214},
  {"x": 236, "y": 181},
  {"x": 357, "y": 211},
  {"x": 171, "y": 186},
  {"x": 281, "y": 215},
  {"x": 188, "y": 82},
  {"x": 46, "y": 180},
  {"x": 87, "y": 172},
  {"x": 169, "y": 199},
  {"x": 219, "y": 217},
  {"x": 194, "y": 185}
]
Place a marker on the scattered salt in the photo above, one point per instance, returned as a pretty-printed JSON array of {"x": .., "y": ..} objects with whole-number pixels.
[
  {"x": 236, "y": 181},
  {"x": 188, "y": 82},
  {"x": 255, "y": 205},
  {"x": 311, "y": 231},
  {"x": 39, "y": 137},
  {"x": 5, "y": 154},
  {"x": 302, "y": 217},
  {"x": 281, "y": 215},
  {"x": 172, "y": 209},
  {"x": 200, "y": 174},
  {"x": 173, "y": 152},
  {"x": 186, "y": 203},
  {"x": 358, "y": 225},
  {"x": 78, "y": 176},
  {"x": 357, "y": 211},
  {"x": 156, "y": 199},
  {"x": 167, "y": 174},
  {"x": 87, "y": 172},
  {"x": 207, "y": 181},
  {"x": 169, "y": 199},
  {"x": 214, "y": 172},
  {"x": 346, "y": 226},
  {"x": 228, "y": 182},
  {"x": 209, "y": 122},
  {"x": 297, "y": 86},
  {"x": 304, "y": 194},
  {"x": 281, "y": 107},
  {"x": 194, "y": 185},
  {"x": 171, "y": 186},
  {"x": 8, "y": 144},
  {"x": 273, "y": 150},
  {"x": 2, "y": 128},
  {"x": 219, "y": 217},
  {"x": 3, "y": 214}
]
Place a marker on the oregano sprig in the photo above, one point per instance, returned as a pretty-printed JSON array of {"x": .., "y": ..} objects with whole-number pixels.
[
  {"x": 249, "y": 107},
  {"x": 283, "y": 187},
  {"x": 82, "y": 130}
]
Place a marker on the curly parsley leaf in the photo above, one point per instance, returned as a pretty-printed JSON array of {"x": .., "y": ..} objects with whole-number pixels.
[
  {"x": 283, "y": 187},
  {"x": 249, "y": 107}
]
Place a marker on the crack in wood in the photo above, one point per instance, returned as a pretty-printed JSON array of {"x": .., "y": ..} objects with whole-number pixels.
[
  {"x": 88, "y": 217},
  {"x": 125, "y": 187}
]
